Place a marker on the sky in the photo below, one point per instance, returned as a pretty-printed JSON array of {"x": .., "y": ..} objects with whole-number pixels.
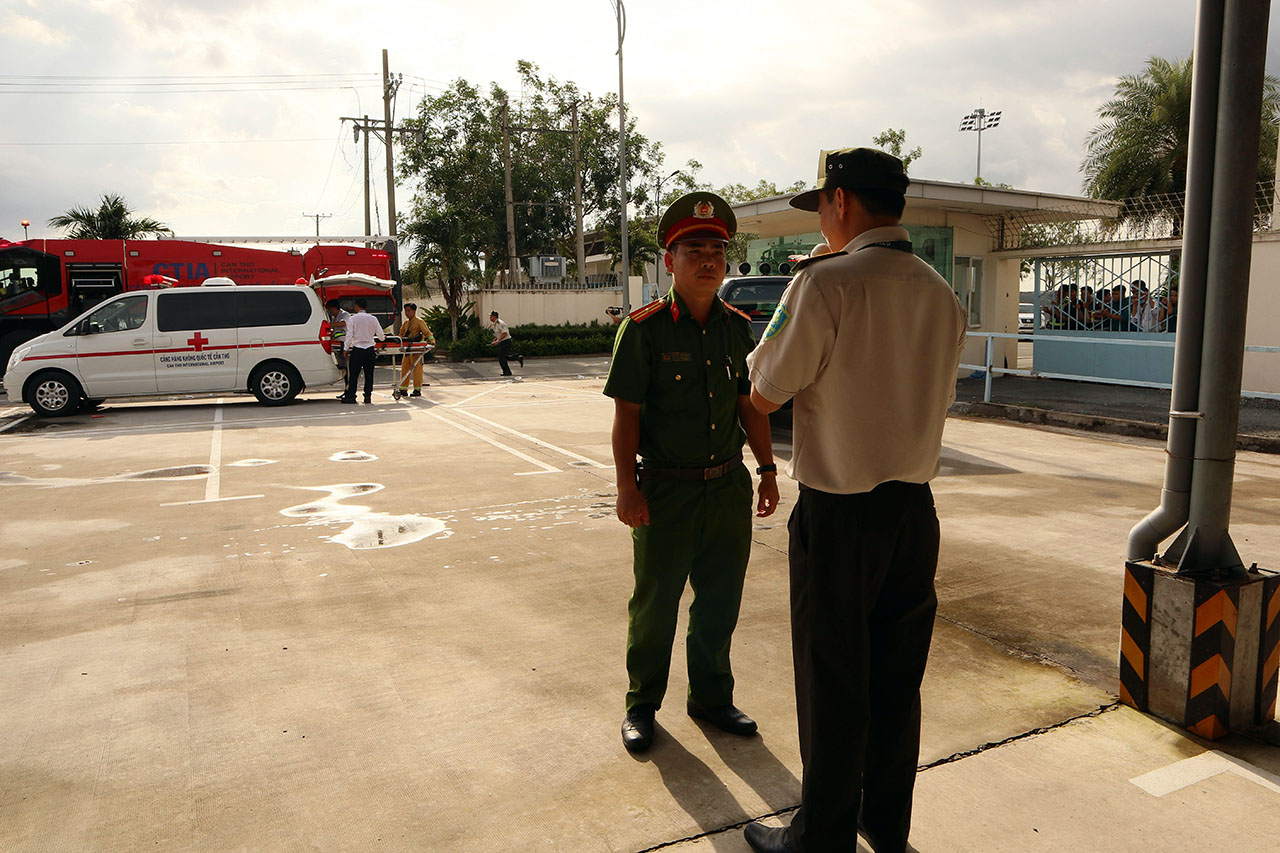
[{"x": 222, "y": 117}]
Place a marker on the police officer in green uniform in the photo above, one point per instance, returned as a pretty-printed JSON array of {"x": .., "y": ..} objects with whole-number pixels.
[{"x": 682, "y": 404}]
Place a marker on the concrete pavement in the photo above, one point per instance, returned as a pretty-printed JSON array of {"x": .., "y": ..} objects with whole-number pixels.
[{"x": 401, "y": 626}]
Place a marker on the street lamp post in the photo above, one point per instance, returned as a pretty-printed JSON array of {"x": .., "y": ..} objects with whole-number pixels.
[
  {"x": 980, "y": 120},
  {"x": 657, "y": 214},
  {"x": 620, "y": 12},
  {"x": 25, "y": 223}
]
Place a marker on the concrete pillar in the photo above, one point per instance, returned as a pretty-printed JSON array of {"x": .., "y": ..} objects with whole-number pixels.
[{"x": 1200, "y": 653}]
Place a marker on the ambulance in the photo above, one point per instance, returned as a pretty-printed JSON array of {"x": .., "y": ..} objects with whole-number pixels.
[{"x": 266, "y": 340}]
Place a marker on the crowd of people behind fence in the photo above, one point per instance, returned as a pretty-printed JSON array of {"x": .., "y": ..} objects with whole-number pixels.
[{"x": 1074, "y": 307}]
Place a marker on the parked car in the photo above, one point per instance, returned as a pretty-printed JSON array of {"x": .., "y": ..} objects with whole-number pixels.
[
  {"x": 1026, "y": 317},
  {"x": 270, "y": 341},
  {"x": 756, "y": 296}
]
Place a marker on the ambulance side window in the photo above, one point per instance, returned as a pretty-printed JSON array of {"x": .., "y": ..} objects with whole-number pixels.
[
  {"x": 285, "y": 307},
  {"x": 119, "y": 315},
  {"x": 184, "y": 312}
]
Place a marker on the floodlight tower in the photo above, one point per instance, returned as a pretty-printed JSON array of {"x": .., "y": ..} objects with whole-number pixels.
[{"x": 980, "y": 120}]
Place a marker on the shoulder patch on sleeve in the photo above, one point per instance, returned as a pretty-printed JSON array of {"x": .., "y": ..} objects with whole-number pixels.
[
  {"x": 644, "y": 312},
  {"x": 808, "y": 262}
]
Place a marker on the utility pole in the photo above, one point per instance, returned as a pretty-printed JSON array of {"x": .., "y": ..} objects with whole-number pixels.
[
  {"x": 577, "y": 183},
  {"x": 980, "y": 120},
  {"x": 620, "y": 12},
  {"x": 389, "y": 87},
  {"x": 378, "y": 128},
  {"x": 367, "y": 222},
  {"x": 577, "y": 203},
  {"x": 513, "y": 261},
  {"x": 317, "y": 217}
]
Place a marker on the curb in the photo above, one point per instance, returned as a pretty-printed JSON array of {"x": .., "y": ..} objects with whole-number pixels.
[{"x": 1094, "y": 423}]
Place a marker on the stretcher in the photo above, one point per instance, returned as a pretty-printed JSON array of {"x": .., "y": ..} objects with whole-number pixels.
[{"x": 396, "y": 345}]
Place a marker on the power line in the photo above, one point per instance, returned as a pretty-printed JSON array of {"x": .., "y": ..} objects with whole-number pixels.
[{"x": 163, "y": 142}]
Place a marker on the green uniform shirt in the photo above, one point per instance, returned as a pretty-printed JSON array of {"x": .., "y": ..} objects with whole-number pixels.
[{"x": 686, "y": 378}]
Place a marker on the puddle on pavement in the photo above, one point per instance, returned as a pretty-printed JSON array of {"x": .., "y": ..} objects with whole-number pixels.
[
  {"x": 250, "y": 463},
  {"x": 352, "y": 456},
  {"x": 182, "y": 472},
  {"x": 366, "y": 529}
]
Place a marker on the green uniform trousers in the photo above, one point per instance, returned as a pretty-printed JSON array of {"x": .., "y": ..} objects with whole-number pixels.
[{"x": 699, "y": 532}]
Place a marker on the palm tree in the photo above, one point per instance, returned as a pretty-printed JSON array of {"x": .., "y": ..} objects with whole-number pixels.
[
  {"x": 113, "y": 220},
  {"x": 1140, "y": 148}
]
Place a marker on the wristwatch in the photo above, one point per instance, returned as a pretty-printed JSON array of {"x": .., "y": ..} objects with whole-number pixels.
[{"x": 767, "y": 469}]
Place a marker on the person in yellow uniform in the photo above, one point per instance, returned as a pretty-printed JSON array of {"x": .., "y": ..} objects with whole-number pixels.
[{"x": 414, "y": 330}]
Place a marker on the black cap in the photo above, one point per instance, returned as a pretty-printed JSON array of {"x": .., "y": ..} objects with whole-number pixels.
[{"x": 854, "y": 169}]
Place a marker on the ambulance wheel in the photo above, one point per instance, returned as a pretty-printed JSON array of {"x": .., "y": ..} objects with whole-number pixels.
[
  {"x": 53, "y": 394},
  {"x": 275, "y": 383}
]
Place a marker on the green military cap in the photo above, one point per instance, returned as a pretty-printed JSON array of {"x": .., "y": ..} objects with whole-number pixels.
[
  {"x": 697, "y": 216},
  {"x": 854, "y": 169}
]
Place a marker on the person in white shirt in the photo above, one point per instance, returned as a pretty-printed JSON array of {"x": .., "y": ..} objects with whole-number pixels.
[
  {"x": 502, "y": 340},
  {"x": 867, "y": 341},
  {"x": 363, "y": 333}
]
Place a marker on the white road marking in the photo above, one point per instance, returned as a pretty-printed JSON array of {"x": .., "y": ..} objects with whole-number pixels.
[
  {"x": 594, "y": 394},
  {"x": 546, "y": 469},
  {"x": 473, "y": 397},
  {"x": 10, "y": 426},
  {"x": 569, "y": 453},
  {"x": 1206, "y": 765},
  {"x": 215, "y": 500}
]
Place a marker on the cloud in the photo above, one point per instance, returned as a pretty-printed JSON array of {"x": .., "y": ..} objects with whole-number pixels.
[
  {"x": 22, "y": 28},
  {"x": 752, "y": 90}
]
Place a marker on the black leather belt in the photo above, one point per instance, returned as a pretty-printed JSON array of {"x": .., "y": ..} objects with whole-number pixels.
[{"x": 646, "y": 472}]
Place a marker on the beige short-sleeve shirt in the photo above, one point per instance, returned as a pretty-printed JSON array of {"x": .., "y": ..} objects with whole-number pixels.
[{"x": 868, "y": 344}]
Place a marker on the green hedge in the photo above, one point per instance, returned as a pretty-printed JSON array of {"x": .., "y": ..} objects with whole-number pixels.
[{"x": 533, "y": 340}]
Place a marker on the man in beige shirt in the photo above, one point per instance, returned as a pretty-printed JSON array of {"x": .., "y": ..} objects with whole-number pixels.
[{"x": 867, "y": 342}]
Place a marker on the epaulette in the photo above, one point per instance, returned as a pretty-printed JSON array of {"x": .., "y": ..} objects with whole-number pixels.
[
  {"x": 807, "y": 262},
  {"x": 743, "y": 314},
  {"x": 644, "y": 312}
]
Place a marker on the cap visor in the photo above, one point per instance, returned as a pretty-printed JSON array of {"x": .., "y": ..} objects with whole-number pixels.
[
  {"x": 709, "y": 234},
  {"x": 806, "y": 200}
]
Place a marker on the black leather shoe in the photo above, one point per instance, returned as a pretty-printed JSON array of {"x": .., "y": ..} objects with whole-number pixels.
[
  {"x": 637, "y": 728},
  {"x": 417, "y": 392},
  {"x": 767, "y": 839},
  {"x": 345, "y": 400},
  {"x": 368, "y": 401},
  {"x": 727, "y": 718}
]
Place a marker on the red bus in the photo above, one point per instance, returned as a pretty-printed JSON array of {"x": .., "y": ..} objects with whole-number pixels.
[{"x": 45, "y": 283}]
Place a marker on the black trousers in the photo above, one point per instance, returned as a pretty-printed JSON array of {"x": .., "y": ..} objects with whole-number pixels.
[
  {"x": 504, "y": 353},
  {"x": 358, "y": 360},
  {"x": 862, "y": 609}
]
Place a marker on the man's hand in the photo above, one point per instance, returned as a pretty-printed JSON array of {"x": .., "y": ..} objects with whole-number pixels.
[
  {"x": 768, "y": 491},
  {"x": 633, "y": 511}
]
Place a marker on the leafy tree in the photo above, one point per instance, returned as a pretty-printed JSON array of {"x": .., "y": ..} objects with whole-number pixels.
[
  {"x": 113, "y": 220},
  {"x": 458, "y": 219},
  {"x": 1140, "y": 148},
  {"x": 738, "y": 193},
  {"x": 894, "y": 141}
]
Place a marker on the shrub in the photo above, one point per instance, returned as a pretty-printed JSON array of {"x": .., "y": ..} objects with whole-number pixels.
[{"x": 534, "y": 340}]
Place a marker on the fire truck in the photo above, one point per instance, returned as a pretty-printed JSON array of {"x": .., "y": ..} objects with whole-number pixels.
[{"x": 46, "y": 283}]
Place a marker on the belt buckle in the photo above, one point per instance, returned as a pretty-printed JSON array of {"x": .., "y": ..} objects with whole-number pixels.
[{"x": 713, "y": 473}]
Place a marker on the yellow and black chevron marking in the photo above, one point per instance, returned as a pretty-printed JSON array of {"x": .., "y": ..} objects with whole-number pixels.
[
  {"x": 1213, "y": 645},
  {"x": 1135, "y": 634},
  {"x": 1269, "y": 652}
]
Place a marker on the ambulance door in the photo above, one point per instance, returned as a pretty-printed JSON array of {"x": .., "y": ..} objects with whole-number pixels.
[
  {"x": 113, "y": 348},
  {"x": 196, "y": 342}
]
